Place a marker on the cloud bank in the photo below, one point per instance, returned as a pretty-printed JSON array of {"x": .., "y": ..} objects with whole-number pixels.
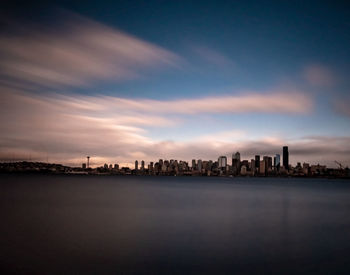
[
  {"x": 77, "y": 53},
  {"x": 67, "y": 128}
]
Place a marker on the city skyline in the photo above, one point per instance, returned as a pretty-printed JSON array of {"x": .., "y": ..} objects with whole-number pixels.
[{"x": 180, "y": 80}]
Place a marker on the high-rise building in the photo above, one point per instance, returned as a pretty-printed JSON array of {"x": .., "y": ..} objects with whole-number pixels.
[
  {"x": 252, "y": 167},
  {"x": 277, "y": 162},
  {"x": 136, "y": 165},
  {"x": 142, "y": 165},
  {"x": 199, "y": 164},
  {"x": 285, "y": 157},
  {"x": 257, "y": 162},
  {"x": 262, "y": 167},
  {"x": 236, "y": 163},
  {"x": 268, "y": 163},
  {"x": 193, "y": 164},
  {"x": 222, "y": 161}
]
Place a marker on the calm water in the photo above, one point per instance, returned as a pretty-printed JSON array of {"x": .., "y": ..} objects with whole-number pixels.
[{"x": 169, "y": 225}]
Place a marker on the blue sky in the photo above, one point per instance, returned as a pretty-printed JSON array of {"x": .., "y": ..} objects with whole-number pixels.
[{"x": 283, "y": 66}]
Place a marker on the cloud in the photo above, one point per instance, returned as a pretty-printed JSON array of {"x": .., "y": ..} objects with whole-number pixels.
[
  {"x": 213, "y": 57},
  {"x": 77, "y": 53},
  {"x": 319, "y": 75},
  {"x": 67, "y": 128},
  {"x": 275, "y": 102},
  {"x": 342, "y": 106}
]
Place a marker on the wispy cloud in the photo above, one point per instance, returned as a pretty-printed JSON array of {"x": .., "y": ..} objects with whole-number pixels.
[
  {"x": 319, "y": 75},
  {"x": 77, "y": 53},
  {"x": 212, "y": 56},
  {"x": 342, "y": 106},
  {"x": 66, "y": 127},
  {"x": 275, "y": 102}
]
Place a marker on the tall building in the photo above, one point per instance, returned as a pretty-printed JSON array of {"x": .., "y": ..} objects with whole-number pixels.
[
  {"x": 268, "y": 163},
  {"x": 252, "y": 166},
  {"x": 136, "y": 165},
  {"x": 199, "y": 163},
  {"x": 257, "y": 162},
  {"x": 193, "y": 164},
  {"x": 222, "y": 161},
  {"x": 285, "y": 157},
  {"x": 277, "y": 162},
  {"x": 236, "y": 163},
  {"x": 142, "y": 165},
  {"x": 262, "y": 167}
]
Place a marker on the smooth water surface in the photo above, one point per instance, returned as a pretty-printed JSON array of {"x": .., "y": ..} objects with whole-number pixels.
[{"x": 173, "y": 225}]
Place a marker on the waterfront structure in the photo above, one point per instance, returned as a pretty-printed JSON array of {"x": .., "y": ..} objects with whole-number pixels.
[{"x": 285, "y": 158}]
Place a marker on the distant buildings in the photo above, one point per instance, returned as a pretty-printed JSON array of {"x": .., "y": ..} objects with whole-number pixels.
[{"x": 254, "y": 167}]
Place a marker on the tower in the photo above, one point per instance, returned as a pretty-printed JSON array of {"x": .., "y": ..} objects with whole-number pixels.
[
  {"x": 285, "y": 157},
  {"x": 88, "y": 161}
]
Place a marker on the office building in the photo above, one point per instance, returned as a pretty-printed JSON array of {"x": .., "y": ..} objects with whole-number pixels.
[
  {"x": 285, "y": 158},
  {"x": 257, "y": 162},
  {"x": 277, "y": 162},
  {"x": 199, "y": 164},
  {"x": 194, "y": 164},
  {"x": 236, "y": 163},
  {"x": 222, "y": 162}
]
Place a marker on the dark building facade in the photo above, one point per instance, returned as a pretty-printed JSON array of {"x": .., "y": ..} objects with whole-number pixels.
[
  {"x": 285, "y": 157},
  {"x": 257, "y": 162}
]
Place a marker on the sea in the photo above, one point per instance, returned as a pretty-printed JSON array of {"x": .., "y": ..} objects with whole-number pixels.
[{"x": 85, "y": 224}]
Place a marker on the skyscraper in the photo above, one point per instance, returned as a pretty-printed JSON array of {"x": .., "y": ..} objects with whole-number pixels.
[
  {"x": 222, "y": 161},
  {"x": 285, "y": 157},
  {"x": 277, "y": 162},
  {"x": 199, "y": 163},
  {"x": 236, "y": 163},
  {"x": 193, "y": 164},
  {"x": 257, "y": 162},
  {"x": 136, "y": 165},
  {"x": 142, "y": 165}
]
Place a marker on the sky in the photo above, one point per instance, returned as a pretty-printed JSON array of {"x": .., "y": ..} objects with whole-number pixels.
[{"x": 127, "y": 80}]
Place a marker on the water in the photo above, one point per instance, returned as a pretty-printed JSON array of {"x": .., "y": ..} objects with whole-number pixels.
[{"x": 173, "y": 225}]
